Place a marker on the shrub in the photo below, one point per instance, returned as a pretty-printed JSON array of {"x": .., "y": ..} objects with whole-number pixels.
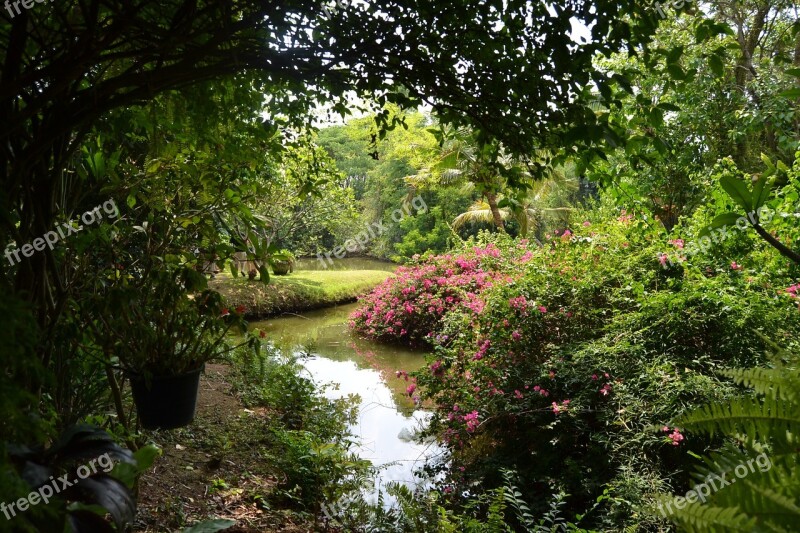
[
  {"x": 409, "y": 306},
  {"x": 570, "y": 369}
]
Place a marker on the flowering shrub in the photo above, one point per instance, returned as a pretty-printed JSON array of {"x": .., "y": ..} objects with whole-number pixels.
[
  {"x": 578, "y": 357},
  {"x": 409, "y": 306}
]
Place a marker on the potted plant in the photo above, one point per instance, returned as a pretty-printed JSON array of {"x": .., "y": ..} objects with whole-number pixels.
[
  {"x": 161, "y": 335},
  {"x": 282, "y": 262}
]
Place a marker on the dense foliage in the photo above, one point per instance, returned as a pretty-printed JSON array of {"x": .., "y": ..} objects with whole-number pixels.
[{"x": 571, "y": 360}]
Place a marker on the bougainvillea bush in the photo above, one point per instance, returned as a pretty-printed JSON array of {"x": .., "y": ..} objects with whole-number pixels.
[
  {"x": 409, "y": 306},
  {"x": 568, "y": 368}
]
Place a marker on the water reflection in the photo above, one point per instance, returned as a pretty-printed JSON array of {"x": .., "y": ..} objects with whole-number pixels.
[{"x": 387, "y": 416}]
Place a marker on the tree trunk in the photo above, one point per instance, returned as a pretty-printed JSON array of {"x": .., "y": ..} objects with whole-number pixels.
[{"x": 491, "y": 199}]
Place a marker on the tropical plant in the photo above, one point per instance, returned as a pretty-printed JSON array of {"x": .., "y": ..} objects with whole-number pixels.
[
  {"x": 504, "y": 184},
  {"x": 168, "y": 327},
  {"x": 761, "y": 426},
  {"x": 83, "y": 502},
  {"x": 462, "y": 161}
]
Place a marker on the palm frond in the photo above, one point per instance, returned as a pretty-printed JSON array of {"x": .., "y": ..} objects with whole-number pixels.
[
  {"x": 479, "y": 212},
  {"x": 775, "y": 383}
]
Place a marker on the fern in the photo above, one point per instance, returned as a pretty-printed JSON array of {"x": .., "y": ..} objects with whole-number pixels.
[{"x": 763, "y": 431}]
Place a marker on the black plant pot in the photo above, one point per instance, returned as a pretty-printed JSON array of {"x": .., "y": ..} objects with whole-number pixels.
[{"x": 169, "y": 402}]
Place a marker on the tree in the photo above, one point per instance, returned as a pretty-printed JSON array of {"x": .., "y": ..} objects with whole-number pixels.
[
  {"x": 65, "y": 67},
  {"x": 712, "y": 88}
]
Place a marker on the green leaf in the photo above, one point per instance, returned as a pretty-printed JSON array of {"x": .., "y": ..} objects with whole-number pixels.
[
  {"x": 761, "y": 191},
  {"x": 791, "y": 93},
  {"x": 676, "y": 72},
  {"x": 675, "y": 54},
  {"x": 720, "y": 221},
  {"x": 264, "y": 271},
  {"x": 793, "y": 72},
  {"x": 725, "y": 219},
  {"x": 717, "y": 66},
  {"x": 737, "y": 190}
]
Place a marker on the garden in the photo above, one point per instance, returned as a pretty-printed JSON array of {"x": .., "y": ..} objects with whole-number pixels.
[{"x": 481, "y": 266}]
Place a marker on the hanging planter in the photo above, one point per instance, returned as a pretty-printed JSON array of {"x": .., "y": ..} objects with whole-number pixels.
[
  {"x": 165, "y": 402},
  {"x": 163, "y": 333}
]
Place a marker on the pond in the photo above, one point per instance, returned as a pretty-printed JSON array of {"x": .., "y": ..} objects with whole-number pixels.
[{"x": 387, "y": 416}]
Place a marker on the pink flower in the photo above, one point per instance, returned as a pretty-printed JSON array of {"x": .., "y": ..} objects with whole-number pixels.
[
  {"x": 736, "y": 266},
  {"x": 410, "y": 389},
  {"x": 606, "y": 390},
  {"x": 586, "y": 224},
  {"x": 676, "y": 437},
  {"x": 516, "y": 335},
  {"x": 471, "y": 420},
  {"x": 793, "y": 290},
  {"x": 518, "y": 303},
  {"x": 517, "y": 394},
  {"x": 543, "y": 309},
  {"x": 662, "y": 258},
  {"x": 594, "y": 377},
  {"x": 560, "y": 408},
  {"x": 665, "y": 429},
  {"x": 678, "y": 243}
]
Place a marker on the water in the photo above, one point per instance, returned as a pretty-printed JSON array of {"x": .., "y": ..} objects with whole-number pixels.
[{"x": 387, "y": 415}]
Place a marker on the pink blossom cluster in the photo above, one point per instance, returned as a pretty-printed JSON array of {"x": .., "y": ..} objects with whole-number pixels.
[
  {"x": 675, "y": 437},
  {"x": 409, "y": 306}
]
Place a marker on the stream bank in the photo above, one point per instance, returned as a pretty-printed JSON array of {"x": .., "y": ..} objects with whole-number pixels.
[{"x": 308, "y": 288}]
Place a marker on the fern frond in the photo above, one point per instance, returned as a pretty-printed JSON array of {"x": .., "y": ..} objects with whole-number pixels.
[
  {"x": 770, "y": 420},
  {"x": 773, "y": 383},
  {"x": 695, "y": 517}
]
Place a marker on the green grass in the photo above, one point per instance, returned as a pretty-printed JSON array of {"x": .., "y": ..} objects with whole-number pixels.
[{"x": 300, "y": 291}]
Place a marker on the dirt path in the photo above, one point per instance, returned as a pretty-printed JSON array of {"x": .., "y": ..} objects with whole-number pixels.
[{"x": 212, "y": 469}]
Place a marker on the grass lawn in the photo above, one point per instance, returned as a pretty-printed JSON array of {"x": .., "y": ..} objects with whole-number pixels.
[{"x": 302, "y": 290}]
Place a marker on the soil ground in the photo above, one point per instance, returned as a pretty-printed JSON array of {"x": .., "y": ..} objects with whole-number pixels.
[{"x": 213, "y": 469}]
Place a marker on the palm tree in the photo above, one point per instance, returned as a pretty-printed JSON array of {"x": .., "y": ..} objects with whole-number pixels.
[{"x": 462, "y": 161}]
